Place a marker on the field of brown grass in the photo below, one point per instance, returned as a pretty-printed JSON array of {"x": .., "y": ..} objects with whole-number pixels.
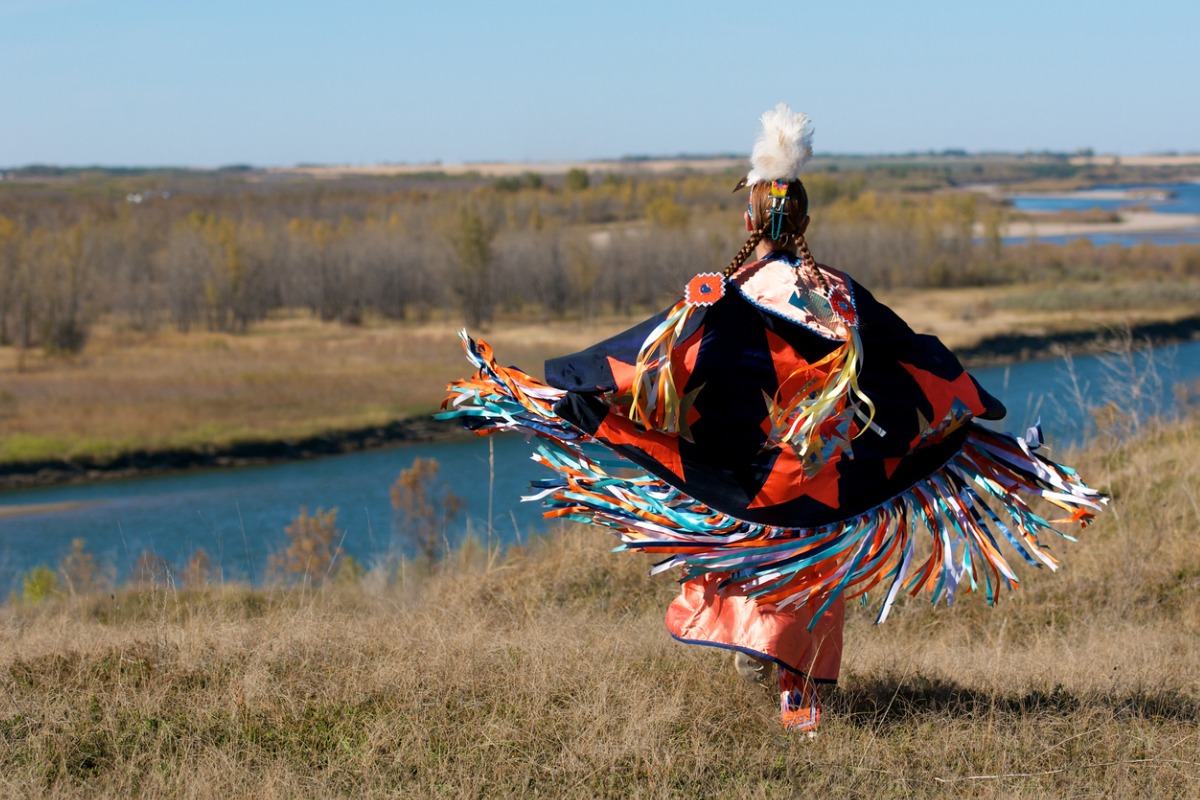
[
  {"x": 547, "y": 672},
  {"x": 293, "y": 376},
  {"x": 288, "y": 378}
]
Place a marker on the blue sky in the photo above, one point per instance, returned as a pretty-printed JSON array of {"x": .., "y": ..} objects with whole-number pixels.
[{"x": 133, "y": 82}]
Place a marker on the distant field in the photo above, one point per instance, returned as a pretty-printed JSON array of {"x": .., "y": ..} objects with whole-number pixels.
[
  {"x": 1184, "y": 160},
  {"x": 289, "y": 378},
  {"x": 499, "y": 169},
  {"x": 292, "y": 376}
]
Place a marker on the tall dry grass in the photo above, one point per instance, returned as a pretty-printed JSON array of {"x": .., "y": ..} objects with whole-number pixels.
[{"x": 547, "y": 672}]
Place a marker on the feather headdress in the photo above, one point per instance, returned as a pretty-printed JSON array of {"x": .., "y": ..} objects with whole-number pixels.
[{"x": 783, "y": 147}]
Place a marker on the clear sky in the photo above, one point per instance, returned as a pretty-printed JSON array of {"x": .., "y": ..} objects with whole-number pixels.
[{"x": 281, "y": 82}]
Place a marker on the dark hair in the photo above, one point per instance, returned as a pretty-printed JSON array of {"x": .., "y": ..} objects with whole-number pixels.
[{"x": 796, "y": 208}]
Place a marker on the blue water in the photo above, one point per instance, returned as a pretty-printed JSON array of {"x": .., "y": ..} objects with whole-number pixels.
[
  {"x": 1063, "y": 392},
  {"x": 1184, "y": 199},
  {"x": 238, "y": 516},
  {"x": 1184, "y": 236}
]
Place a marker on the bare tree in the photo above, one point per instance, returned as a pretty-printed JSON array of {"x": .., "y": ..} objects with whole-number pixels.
[
  {"x": 184, "y": 260},
  {"x": 470, "y": 235}
]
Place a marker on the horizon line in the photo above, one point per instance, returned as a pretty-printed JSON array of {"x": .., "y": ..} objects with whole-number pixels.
[{"x": 725, "y": 160}]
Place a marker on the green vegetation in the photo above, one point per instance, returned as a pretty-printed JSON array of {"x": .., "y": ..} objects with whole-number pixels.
[
  {"x": 547, "y": 672},
  {"x": 577, "y": 180},
  {"x": 38, "y": 585}
]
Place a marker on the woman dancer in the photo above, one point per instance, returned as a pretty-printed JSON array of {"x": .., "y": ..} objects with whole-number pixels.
[{"x": 781, "y": 437}]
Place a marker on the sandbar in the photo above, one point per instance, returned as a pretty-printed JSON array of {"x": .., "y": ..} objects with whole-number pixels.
[
  {"x": 28, "y": 509},
  {"x": 1130, "y": 222}
]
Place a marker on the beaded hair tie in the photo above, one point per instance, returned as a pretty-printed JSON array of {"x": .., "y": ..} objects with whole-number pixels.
[{"x": 778, "y": 208}]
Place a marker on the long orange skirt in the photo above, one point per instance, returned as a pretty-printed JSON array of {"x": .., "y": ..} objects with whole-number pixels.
[{"x": 701, "y": 615}]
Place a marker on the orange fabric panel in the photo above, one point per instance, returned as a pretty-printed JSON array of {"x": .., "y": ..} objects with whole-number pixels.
[
  {"x": 684, "y": 356},
  {"x": 942, "y": 393},
  {"x": 700, "y": 614},
  {"x": 787, "y": 481},
  {"x": 619, "y": 429},
  {"x": 787, "y": 362},
  {"x": 623, "y": 375}
]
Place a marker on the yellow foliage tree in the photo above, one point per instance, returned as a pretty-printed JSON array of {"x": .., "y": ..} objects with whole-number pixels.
[
  {"x": 424, "y": 507},
  {"x": 311, "y": 550}
]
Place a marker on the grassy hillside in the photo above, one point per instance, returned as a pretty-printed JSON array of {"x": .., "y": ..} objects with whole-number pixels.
[{"x": 548, "y": 672}]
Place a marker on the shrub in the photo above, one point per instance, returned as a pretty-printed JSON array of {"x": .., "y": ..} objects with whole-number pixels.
[
  {"x": 424, "y": 508},
  {"x": 39, "y": 584},
  {"x": 311, "y": 552},
  {"x": 152, "y": 570},
  {"x": 197, "y": 571},
  {"x": 80, "y": 572},
  {"x": 577, "y": 180}
]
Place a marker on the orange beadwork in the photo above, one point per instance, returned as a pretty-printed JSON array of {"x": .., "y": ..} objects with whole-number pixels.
[
  {"x": 842, "y": 306},
  {"x": 704, "y": 289}
]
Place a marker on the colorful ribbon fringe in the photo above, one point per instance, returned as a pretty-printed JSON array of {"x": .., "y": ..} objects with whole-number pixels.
[
  {"x": 817, "y": 396},
  {"x": 655, "y": 399},
  {"x": 792, "y": 566}
]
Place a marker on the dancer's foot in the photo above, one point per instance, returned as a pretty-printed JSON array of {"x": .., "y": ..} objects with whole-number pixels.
[
  {"x": 750, "y": 668},
  {"x": 799, "y": 703},
  {"x": 802, "y": 720}
]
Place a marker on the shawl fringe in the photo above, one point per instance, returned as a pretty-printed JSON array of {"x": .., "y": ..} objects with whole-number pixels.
[{"x": 797, "y": 565}]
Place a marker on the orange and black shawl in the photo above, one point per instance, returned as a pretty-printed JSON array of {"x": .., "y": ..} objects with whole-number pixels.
[{"x": 736, "y": 439}]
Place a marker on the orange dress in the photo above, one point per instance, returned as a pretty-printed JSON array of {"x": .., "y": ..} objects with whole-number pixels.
[
  {"x": 804, "y": 658},
  {"x": 703, "y": 615}
]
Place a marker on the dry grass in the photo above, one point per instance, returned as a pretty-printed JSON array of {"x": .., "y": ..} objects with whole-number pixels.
[
  {"x": 549, "y": 673},
  {"x": 964, "y": 317},
  {"x": 288, "y": 378}
]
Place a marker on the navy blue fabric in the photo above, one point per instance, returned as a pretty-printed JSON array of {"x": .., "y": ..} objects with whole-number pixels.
[{"x": 726, "y": 459}]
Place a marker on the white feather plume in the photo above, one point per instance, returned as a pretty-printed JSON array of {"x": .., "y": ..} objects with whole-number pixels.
[{"x": 783, "y": 147}]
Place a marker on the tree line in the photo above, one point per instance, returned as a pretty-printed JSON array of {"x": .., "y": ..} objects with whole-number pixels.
[{"x": 223, "y": 251}]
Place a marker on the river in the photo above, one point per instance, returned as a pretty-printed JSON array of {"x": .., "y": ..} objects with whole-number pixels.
[
  {"x": 1164, "y": 198},
  {"x": 238, "y": 515}
]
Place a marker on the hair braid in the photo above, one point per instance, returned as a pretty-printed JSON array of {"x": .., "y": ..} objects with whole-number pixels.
[
  {"x": 755, "y": 237},
  {"x": 761, "y": 209},
  {"x": 810, "y": 263}
]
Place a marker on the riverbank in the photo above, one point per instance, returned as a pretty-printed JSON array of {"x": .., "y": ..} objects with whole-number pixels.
[
  {"x": 142, "y": 463},
  {"x": 1090, "y": 211},
  {"x": 992, "y": 350},
  {"x": 1010, "y": 348}
]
